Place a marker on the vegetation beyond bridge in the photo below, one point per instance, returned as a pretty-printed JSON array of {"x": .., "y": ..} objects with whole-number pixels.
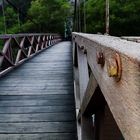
[{"x": 97, "y": 88}]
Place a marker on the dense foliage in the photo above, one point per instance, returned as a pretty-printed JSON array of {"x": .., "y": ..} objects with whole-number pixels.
[
  {"x": 36, "y": 16},
  {"x": 52, "y": 15},
  {"x": 124, "y": 17}
]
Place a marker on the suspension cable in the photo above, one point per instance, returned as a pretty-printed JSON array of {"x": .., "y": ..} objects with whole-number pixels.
[
  {"x": 107, "y": 16},
  {"x": 85, "y": 26},
  {"x": 19, "y": 23},
  {"x": 75, "y": 16},
  {"x": 79, "y": 16},
  {"x": 4, "y": 18},
  {"x": 17, "y": 9}
]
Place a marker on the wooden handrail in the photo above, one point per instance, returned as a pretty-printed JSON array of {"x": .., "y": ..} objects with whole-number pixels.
[
  {"x": 19, "y": 47},
  {"x": 114, "y": 67}
]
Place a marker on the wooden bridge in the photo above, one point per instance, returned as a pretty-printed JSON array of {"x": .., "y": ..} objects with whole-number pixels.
[{"x": 94, "y": 95}]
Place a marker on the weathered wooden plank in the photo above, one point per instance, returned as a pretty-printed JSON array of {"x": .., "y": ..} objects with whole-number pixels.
[
  {"x": 43, "y": 76},
  {"x": 92, "y": 85},
  {"x": 38, "y": 85},
  {"x": 38, "y": 97},
  {"x": 86, "y": 119},
  {"x": 36, "y": 92},
  {"x": 83, "y": 82},
  {"x": 46, "y": 136},
  {"x": 45, "y": 73},
  {"x": 83, "y": 72},
  {"x": 76, "y": 88},
  {"x": 33, "y": 88},
  {"x": 37, "y": 117},
  {"x": 122, "y": 97},
  {"x": 27, "y": 82},
  {"x": 37, "y": 127},
  {"x": 36, "y": 102},
  {"x": 36, "y": 109}
]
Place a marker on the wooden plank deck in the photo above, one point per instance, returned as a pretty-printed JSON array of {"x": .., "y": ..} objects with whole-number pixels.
[{"x": 37, "y": 98}]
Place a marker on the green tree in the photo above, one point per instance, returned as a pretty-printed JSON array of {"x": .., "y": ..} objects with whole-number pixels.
[
  {"x": 95, "y": 16},
  {"x": 11, "y": 18},
  {"x": 11, "y": 21},
  {"x": 22, "y": 5},
  {"x": 124, "y": 17},
  {"x": 1, "y": 25},
  {"x": 49, "y": 16}
]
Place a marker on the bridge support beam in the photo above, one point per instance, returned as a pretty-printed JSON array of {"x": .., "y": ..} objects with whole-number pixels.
[{"x": 118, "y": 80}]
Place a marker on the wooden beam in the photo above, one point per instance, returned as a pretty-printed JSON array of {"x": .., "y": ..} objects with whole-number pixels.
[
  {"x": 92, "y": 85},
  {"x": 123, "y": 97},
  {"x": 96, "y": 103},
  {"x": 83, "y": 72},
  {"x": 106, "y": 127},
  {"x": 75, "y": 58}
]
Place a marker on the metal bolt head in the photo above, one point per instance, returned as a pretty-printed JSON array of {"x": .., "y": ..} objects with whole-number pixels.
[
  {"x": 85, "y": 51},
  {"x": 114, "y": 67},
  {"x": 100, "y": 58},
  {"x": 82, "y": 47}
]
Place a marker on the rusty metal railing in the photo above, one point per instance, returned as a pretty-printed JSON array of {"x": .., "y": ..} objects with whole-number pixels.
[{"x": 15, "y": 49}]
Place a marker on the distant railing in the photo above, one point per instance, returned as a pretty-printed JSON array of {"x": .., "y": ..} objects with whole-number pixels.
[
  {"x": 15, "y": 49},
  {"x": 107, "y": 87},
  {"x": 132, "y": 38}
]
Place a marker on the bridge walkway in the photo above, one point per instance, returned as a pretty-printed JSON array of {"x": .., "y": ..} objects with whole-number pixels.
[{"x": 37, "y": 98}]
